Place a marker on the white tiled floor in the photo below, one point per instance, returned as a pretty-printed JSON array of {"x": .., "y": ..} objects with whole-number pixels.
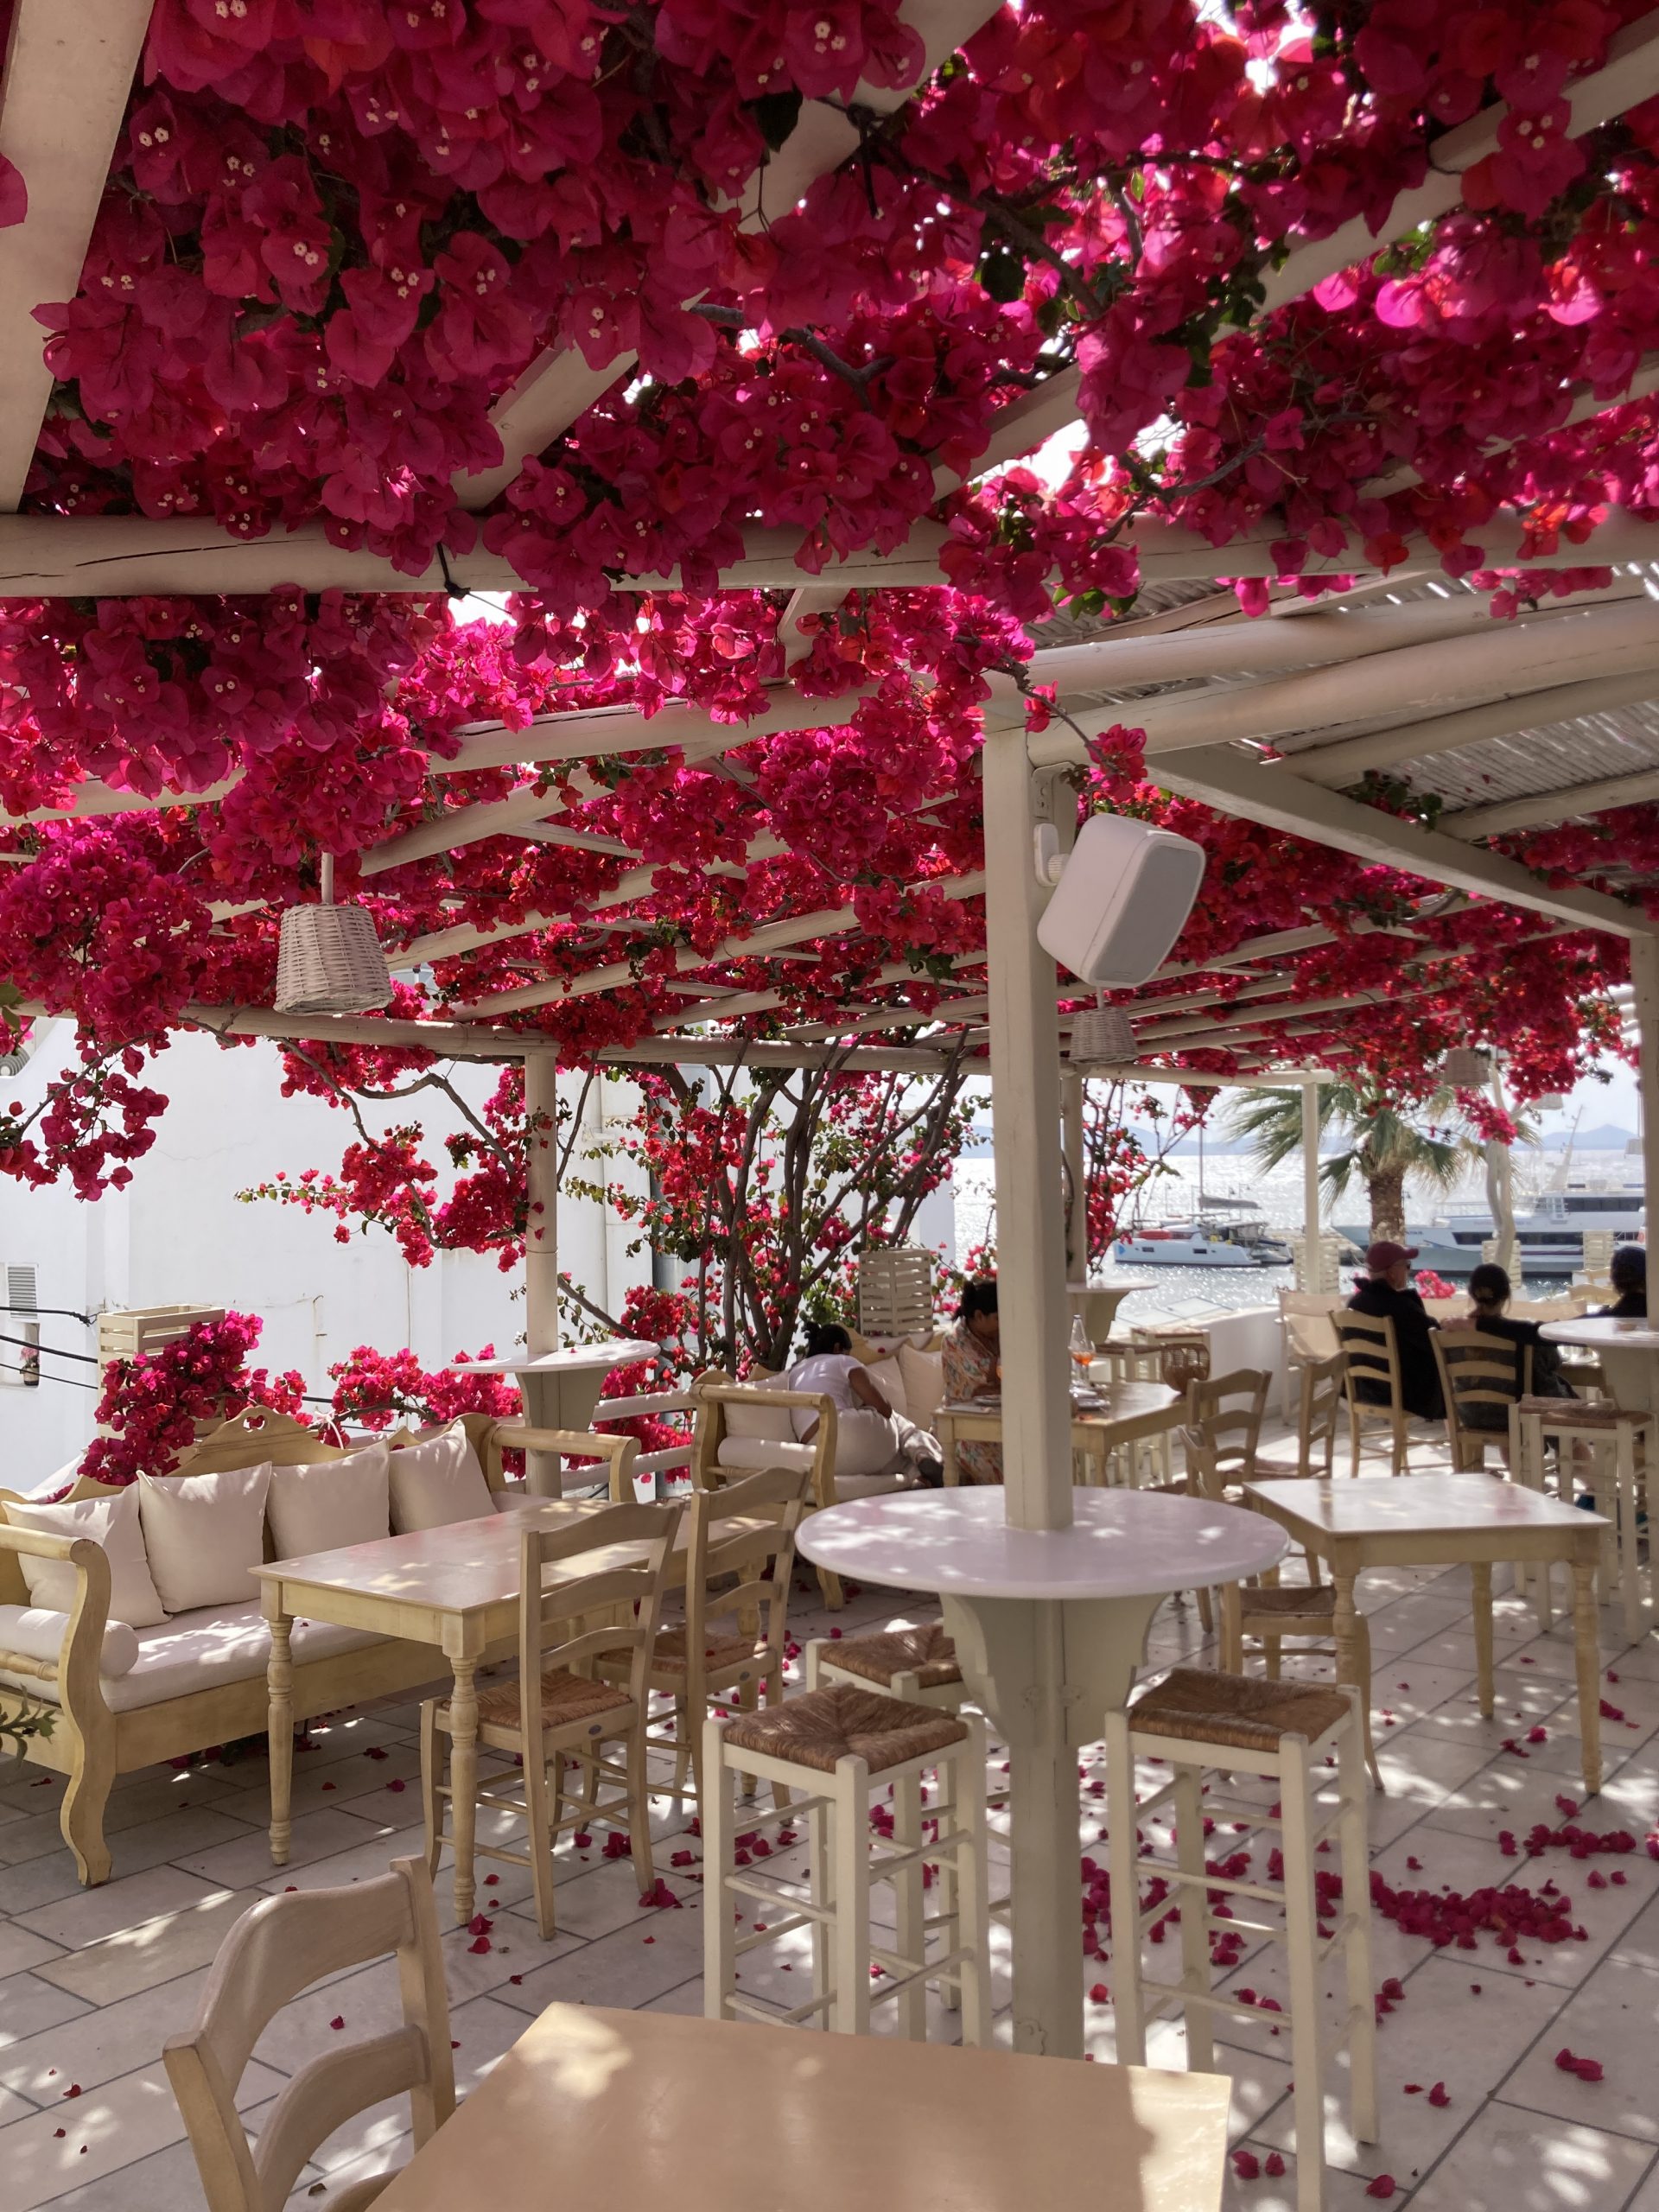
[{"x": 93, "y": 1983}]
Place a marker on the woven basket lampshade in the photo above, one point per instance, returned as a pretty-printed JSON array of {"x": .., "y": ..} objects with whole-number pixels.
[
  {"x": 1467, "y": 1068},
  {"x": 329, "y": 958},
  {"x": 1550, "y": 1101},
  {"x": 1101, "y": 1037}
]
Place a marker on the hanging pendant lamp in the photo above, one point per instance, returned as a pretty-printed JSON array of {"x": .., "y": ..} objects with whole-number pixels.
[
  {"x": 1466, "y": 1068},
  {"x": 1101, "y": 1038},
  {"x": 329, "y": 958}
]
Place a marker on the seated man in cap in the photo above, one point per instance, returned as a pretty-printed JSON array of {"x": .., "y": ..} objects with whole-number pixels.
[
  {"x": 1629, "y": 1275},
  {"x": 1387, "y": 1293}
]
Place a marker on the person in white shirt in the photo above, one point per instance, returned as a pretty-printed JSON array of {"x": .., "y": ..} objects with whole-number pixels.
[{"x": 871, "y": 1439}]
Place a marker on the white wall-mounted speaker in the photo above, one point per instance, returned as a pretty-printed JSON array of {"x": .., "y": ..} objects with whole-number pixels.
[{"x": 1126, "y": 892}]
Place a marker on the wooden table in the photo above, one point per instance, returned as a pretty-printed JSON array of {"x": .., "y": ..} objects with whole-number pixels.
[
  {"x": 1440, "y": 1521},
  {"x": 454, "y": 1587},
  {"x": 1129, "y": 1413},
  {"x": 592, "y": 2106}
]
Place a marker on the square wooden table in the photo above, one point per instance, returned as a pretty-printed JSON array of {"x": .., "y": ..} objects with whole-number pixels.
[
  {"x": 1129, "y": 1413},
  {"x": 595, "y": 2107},
  {"x": 454, "y": 1587},
  {"x": 1439, "y": 1521}
]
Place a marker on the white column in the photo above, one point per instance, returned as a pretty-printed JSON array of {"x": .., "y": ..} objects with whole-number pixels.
[
  {"x": 1644, "y": 985},
  {"x": 1312, "y": 1271},
  {"x": 1024, "y": 1059},
  {"x": 543, "y": 1468},
  {"x": 1500, "y": 1195},
  {"x": 1076, "y": 1176}
]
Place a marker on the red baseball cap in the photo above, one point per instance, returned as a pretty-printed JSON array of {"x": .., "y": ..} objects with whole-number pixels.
[{"x": 1379, "y": 1258}]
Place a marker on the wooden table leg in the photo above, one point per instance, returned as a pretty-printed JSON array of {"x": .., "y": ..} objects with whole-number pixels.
[
  {"x": 1351, "y": 1667},
  {"x": 463, "y": 1781},
  {"x": 1480, "y": 1582},
  {"x": 279, "y": 1722},
  {"x": 1587, "y": 1651}
]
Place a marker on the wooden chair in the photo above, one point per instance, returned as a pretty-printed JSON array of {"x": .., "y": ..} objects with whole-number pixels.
[
  {"x": 577, "y": 1713},
  {"x": 720, "y": 1455},
  {"x": 1263, "y": 1610},
  {"x": 274, "y": 1951},
  {"x": 1226, "y": 1410},
  {"x": 1317, "y": 1413},
  {"x": 1479, "y": 1370},
  {"x": 745, "y": 1530},
  {"x": 1373, "y": 1355}
]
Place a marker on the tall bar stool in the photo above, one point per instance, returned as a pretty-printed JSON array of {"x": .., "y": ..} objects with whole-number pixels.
[
  {"x": 833, "y": 1744},
  {"x": 1619, "y": 1445},
  {"x": 1233, "y": 1724}
]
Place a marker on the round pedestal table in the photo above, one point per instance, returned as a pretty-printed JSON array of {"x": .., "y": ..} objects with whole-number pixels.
[
  {"x": 1628, "y": 1350},
  {"x": 1049, "y": 1625}
]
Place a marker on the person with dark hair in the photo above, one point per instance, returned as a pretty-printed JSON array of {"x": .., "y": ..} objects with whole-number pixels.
[
  {"x": 1386, "y": 1294},
  {"x": 871, "y": 1439},
  {"x": 970, "y": 1371},
  {"x": 1629, "y": 1272},
  {"x": 1489, "y": 1293}
]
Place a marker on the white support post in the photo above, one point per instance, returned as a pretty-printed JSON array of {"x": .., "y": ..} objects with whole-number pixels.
[
  {"x": 1500, "y": 1196},
  {"x": 543, "y": 1473},
  {"x": 1312, "y": 1270},
  {"x": 1644, "y": 985},
  {"x": 1073, "y": 1097},
  {"x": 1024, "y": 1055}
]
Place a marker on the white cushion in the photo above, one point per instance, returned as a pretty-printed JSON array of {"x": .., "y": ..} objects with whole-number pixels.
[
  {"x": 205, "y": 1535},
  {"x": 770, "y": 1422},
  {"x": 436, "y": 1481},
  {"x": 112, "y": 1521},
  {"x": 888, "y": 1379},
  {"x": 203, "y": 1649},
  {"x": 924, "y": 1374},
  {"x": 873, "y": 1485},
  {"x": 329, "y": 1504},
  {"x": 38, "y": 1634},
  {"x": 752, "y": 1452}
]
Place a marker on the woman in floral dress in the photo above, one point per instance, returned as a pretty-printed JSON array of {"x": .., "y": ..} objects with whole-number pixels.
[{"x": 970, "y": 1358}]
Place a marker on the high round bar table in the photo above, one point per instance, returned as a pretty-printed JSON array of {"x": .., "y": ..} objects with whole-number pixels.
[
  {"x": 1628, "y": 1350},
  {"x": 1050, "y": 1625}
]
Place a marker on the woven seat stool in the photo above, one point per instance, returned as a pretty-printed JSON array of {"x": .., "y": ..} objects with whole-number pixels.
[
  {"x": 1235, "y": 1723},
  {"x": 1619, "y": 1445},
  {"x": 842, "y": 1747}
]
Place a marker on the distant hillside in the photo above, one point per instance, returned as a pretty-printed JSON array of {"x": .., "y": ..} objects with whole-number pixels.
[{"x": 1606, "y": 1139}]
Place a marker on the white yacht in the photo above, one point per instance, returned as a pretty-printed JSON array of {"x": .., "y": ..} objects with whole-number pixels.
[
  {"x": 1551, "y": 1234},
  {"x": 1223, "y": 1233}
]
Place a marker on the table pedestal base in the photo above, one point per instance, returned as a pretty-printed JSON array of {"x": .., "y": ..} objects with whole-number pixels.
[{"x": 1047, "y": 1670}]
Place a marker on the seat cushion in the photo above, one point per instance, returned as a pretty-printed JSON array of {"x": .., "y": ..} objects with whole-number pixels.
[
  {"x": 753, "y": 1453},
  {"x": 204, "y": 1536},
  {"x": 841, "y": 1722},
  {"x": 924, "y": 1374},
  {"x": 203, "y": 1649},
  {"x": 565, "y": 1697},
  {"x": 112, "y": 1521},
  {"x": 35, "y": 1633},
  {"x": 772, "y": 1423},
  {"x": 330, "y": 1503},
  {"x": 668, "y": 1654},
  {"x": 888, "y": 1378},
  {"x": 928, "y": 1653},
  {"x": 1294, "y": 1604},
  {"x": 436, "y": 1481},
  {"x": 1240, "y": 1710}
]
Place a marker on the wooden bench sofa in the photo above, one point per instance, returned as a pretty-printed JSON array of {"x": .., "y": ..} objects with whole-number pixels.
[{"x": 106, "y": 1727}]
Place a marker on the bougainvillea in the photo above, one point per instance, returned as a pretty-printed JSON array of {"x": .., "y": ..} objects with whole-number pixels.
[
  {"x": 152, "y": 1407},
  {"x": 343, "y": 241}
]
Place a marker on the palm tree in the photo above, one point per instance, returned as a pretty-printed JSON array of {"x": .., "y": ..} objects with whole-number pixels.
[{"x": 1383, "y": 1145}]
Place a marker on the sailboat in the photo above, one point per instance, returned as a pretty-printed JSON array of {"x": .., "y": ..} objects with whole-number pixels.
[{"x": 1221, "y": 1233}]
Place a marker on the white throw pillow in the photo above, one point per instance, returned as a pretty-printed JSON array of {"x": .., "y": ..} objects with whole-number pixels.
[
  {"x": 888, "y": 1379},
  {"x": 771, "y": 1422},
  {"x": 112, "y": 1521},
  {"x": 205, "y": 1535},
  {"x": 924, "y": 1374},
  {"x": 436, "y": 1481},
  {"x": 38, "y": 1634},
  {"x": 330, "y": 1503}
]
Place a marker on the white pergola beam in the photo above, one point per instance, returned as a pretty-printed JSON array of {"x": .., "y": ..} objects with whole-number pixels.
[
  {"x": 771, "y": 936},
  {"x": 1349, "y": 758},
  {"x": 1552, "y": 806},
  {"x": 1501, "y": 661},
  {"x": 69, "y": 71},
  {"x": 1225, "y": 777}
]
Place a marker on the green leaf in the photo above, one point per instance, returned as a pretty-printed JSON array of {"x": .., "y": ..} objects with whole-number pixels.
[
  {"x": 775, "y": 116},
  {"x": 1003, "y": 276}
]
